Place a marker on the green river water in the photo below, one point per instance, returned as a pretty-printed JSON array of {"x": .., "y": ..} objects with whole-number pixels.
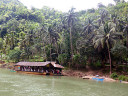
[{"x": 14, "y": 84}]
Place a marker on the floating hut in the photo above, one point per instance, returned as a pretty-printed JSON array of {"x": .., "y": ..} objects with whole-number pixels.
[{"x": 39, "y": 68}]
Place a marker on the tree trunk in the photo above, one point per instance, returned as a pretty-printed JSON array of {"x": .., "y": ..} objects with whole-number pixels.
[
  {"x": 32, "y": 56},
  {"x": 57, "y": 47},
  {"x": 110, "y": 62},
  {"x": 60, "y": 48},
  {"x": 127, "y": 47},
  {"x": 109, "y": 58},
  {"x": 40, "y": 56},
  {"x": 71, "y": 46},
  {"x": 50, "y": 47},
  {"x": 45, "y": 53}
]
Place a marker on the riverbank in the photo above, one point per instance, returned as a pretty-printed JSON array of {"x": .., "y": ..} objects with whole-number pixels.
[
  {"x": 84, "y": 74},
  {"x": 89, "y": 74},
  {"x": 81, "y": 73}
]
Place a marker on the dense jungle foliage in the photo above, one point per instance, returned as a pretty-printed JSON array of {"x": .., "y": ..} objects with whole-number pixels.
[{"x": 95, "y": 37}]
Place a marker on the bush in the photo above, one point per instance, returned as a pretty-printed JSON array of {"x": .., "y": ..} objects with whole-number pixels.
[
  {"x": 76, "y": 59},
  {"x": 126, "y": 79},
  {"x": 63, "y": 58},
  {"x": 97, "y": 64},
  {"x": 123, "y": 78},
  {"x": 14, "y": 55},
  {"x": 119, "y": 51},
  {"x": 114, "y": 75}
]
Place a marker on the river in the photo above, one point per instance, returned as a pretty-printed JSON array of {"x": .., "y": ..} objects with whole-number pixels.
[{"x": 14, "y": 84}]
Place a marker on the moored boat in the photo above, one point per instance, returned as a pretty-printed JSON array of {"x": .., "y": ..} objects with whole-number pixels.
[
  {"x": 39, "y": 68},
  {"x": 98, "y": 79}
]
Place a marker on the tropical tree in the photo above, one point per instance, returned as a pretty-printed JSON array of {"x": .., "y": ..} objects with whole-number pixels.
[
  {"x": 70, "y": 20},
  {"x": 106, "y": 38}
]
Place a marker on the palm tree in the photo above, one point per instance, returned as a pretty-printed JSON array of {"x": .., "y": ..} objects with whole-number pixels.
[
  {"x": 52, "y": 37},
  {"x": 102, "y": 17},
  {"x": 88, "y": 29},
  {"x": 70, "y": 20},
  {"x": 106, "y": 37}
]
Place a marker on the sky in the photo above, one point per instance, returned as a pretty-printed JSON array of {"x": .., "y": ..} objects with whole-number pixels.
[{"x": 65, "y": 5}]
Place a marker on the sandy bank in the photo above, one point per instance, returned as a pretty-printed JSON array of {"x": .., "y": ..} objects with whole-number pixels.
[{"x": 90, "y": 74}]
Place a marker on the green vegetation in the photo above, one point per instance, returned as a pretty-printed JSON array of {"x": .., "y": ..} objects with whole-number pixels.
[
  {"x": 75, "y": 39},
  {"x": 119, "y": 77},
  {"x": 114, "y": 76},
  {"x": 123, "y": 78}
]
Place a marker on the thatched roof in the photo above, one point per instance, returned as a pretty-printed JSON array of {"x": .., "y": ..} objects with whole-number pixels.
[
  {"x": 56, "y": 65},
  {"x": 38, "y": 64}
]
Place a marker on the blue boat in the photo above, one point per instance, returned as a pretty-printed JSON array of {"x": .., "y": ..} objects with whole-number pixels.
[{"x": 98, "y": 79}]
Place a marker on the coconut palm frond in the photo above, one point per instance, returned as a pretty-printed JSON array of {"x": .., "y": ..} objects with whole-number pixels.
[
  {"x": 97, "y": 43},
  {"x": 112, "y": 30},
  {"x": 101, "y": 29},
  {"x": 99, "y": 36},
  {"x": 102, "y": 40},
  {"x": 117, "y": 35},
  {"x": 111, "y": 25}
]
